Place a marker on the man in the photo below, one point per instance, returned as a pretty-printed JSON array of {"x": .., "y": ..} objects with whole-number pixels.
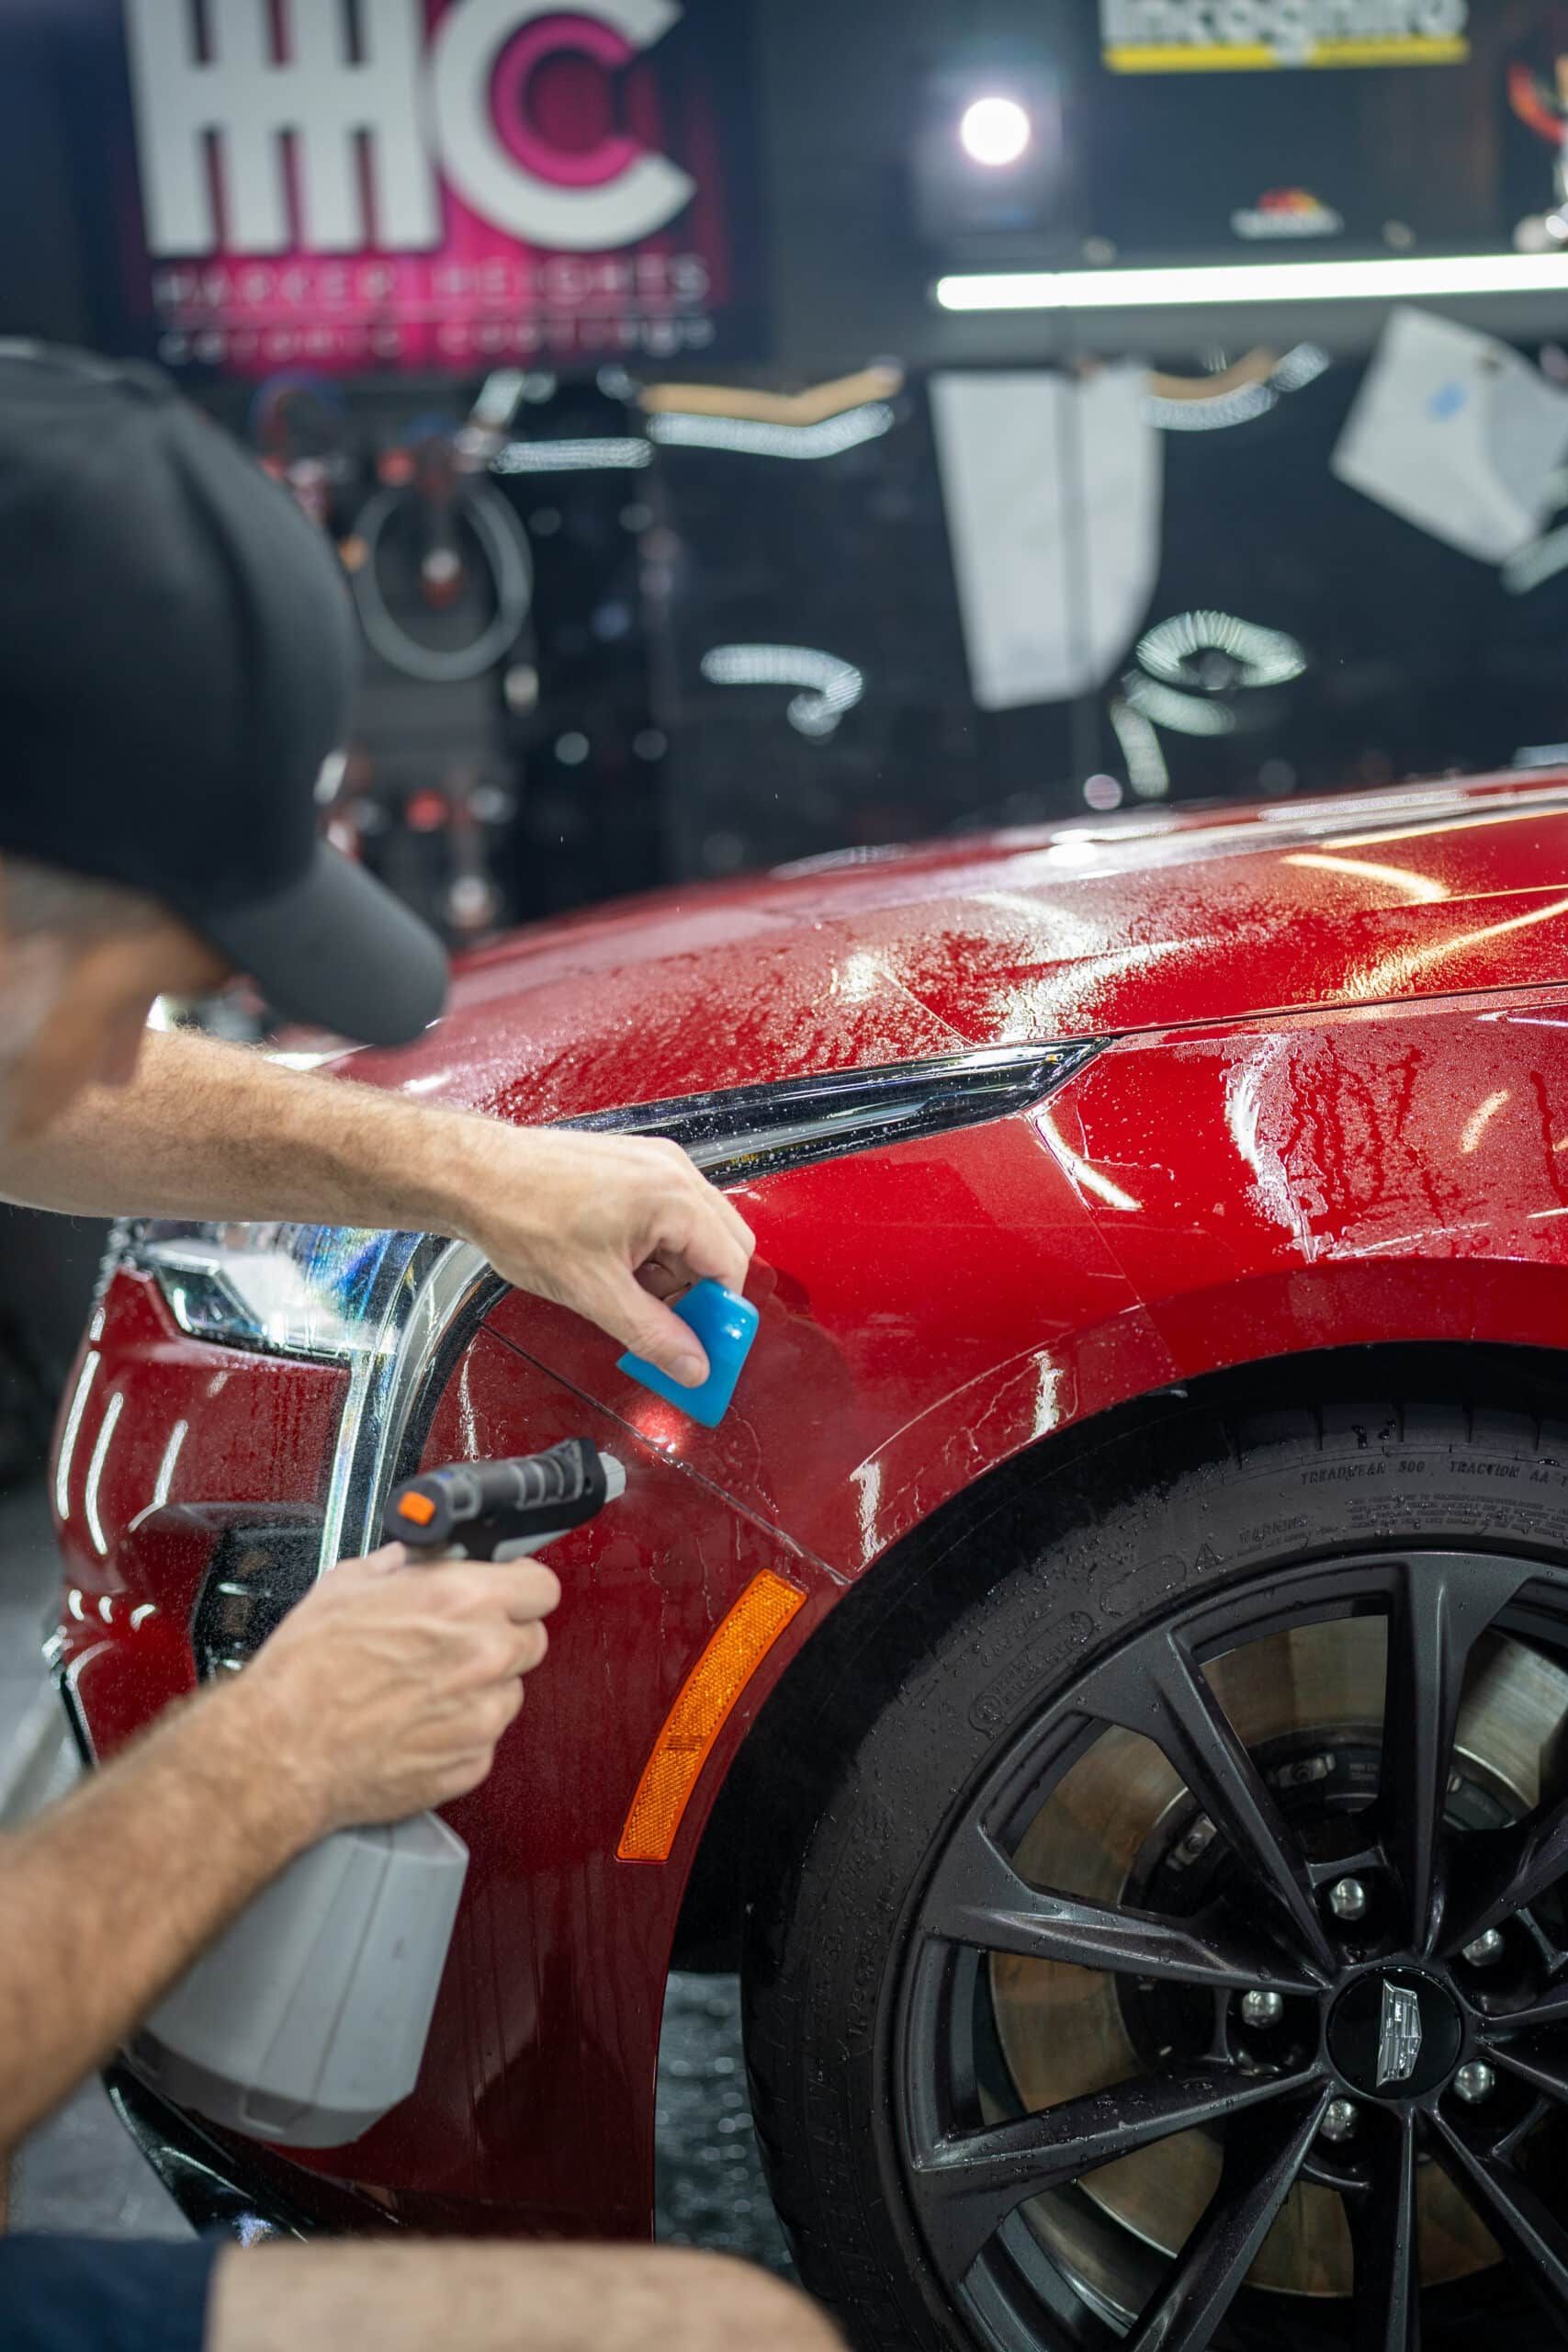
[{"x": 174, "y": 661}]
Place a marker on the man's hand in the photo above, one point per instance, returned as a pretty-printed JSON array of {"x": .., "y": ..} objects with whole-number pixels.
[
  {"x": 383, "y": 1692},
  {"x": 610, "y": 1226},
  {"x": 386, "y": 1690}
]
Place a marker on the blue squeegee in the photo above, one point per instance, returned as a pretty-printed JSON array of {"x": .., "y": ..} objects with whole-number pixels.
[{"x": 727, "y": 1325}]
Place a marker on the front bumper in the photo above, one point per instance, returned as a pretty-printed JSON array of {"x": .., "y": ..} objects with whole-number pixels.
[{"x": 220, "y": 2184}]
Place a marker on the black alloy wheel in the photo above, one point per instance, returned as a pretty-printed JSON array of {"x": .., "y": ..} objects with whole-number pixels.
[
  {"x": 1342, "y": 1982},
  {"x": 1173, "y": 1952}
]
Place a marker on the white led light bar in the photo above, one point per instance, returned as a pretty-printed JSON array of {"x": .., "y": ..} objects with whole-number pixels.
[
  {"x": 829, "y": 686},
  {"x": 571, "y": 456},
  {"x": 827, "y": 436},
  {"x": 1305, "y": 282}
]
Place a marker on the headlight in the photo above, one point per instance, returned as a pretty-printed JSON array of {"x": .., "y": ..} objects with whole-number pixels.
[
  {"x": 353, "y": 1296},
  {"x": 391, "y": 1308},
  {"x": 292, "y": 1290}
]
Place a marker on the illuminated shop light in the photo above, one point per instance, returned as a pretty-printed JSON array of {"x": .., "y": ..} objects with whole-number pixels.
[
  {"x": 1146, "y": 770},
  {"x": 1184, "y": 714},
  {"x": 72, "y": 1431},
  {"x": 1302, "y": 365},
  {"x": 994, "y": 131},
  {"x": 1481, "y": 1118},
  {"x": 571, "y": 456},
  {"x": 1422, "y": 888},
  {"x": 829, "y": 686},
  {"x": 753, "y": 437},
  {"x": 1223, "y": 282},
  {"x": 165, "y": 1480},
  {"x": 1266, "y": 657},
  {"x": 112, "y": 1411},
  {"x": 1081, "y": 1171},
  {"x": 1200, "y": 409},
  {"x": 1236, "y": 407}
]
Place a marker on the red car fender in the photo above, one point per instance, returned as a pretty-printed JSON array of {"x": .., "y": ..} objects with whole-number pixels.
[{"x": 1192, "y": 1203}]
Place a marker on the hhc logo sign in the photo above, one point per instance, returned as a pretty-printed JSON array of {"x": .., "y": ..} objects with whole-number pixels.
[{"x": 420, "y": 112}]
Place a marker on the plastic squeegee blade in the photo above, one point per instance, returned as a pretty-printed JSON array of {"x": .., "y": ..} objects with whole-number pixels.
[{"x": 727, "y": 1325}]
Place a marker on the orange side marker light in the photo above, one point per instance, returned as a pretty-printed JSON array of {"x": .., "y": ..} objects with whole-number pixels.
[{"x": 734, "y": 1650}]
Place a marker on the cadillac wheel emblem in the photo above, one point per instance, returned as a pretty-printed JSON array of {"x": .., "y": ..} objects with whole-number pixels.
[{"x": 1399, "y": 2037}]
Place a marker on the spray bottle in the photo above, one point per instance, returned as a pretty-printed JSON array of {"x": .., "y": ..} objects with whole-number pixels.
[{"x": 306, "y": 2022}]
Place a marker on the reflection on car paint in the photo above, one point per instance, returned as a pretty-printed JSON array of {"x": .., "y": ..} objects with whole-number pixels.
[{"x": 1295, "y": 1141}]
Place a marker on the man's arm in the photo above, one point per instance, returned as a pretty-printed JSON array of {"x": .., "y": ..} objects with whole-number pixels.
[
  {"x": 383, "y": 1692},
  {"x": 212, "y": 1131},
  {"x": 107, "y": 1898}
]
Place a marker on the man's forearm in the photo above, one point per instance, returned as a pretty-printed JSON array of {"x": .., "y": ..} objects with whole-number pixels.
[
  {"x": 608, "y": 1225},
  {"x": 213, "y": 1131},
  {"x": 108, "y": 1897}
]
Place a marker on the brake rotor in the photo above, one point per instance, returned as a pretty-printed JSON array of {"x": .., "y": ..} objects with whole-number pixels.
[{"x": 1062, "y": 2028}]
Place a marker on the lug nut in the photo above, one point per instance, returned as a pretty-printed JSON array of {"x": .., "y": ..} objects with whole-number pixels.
[
  {"x": 1485, "y": 1949},
  {"x": 1347, "y": 1899},
  {"x": 1197, "y": 1840},
  {"x": 1475, "y": 2081},
  {"x": 1339, "y": 2120},
  {"x": 1262, "y": 2009}
]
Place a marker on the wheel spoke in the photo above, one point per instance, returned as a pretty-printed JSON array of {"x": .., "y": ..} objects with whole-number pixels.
[
  {"x": 969, "y": 2184},
  {"x": 1385, "y": 2237},
  {"x": 1535, "y": 2066},
  {"x": 1497, "y": 1872},
  {"x": 980, "y": 1899},
  {"x": 1263, "y": 2156},
  {"x": 1515, "y": 2216},
  {"x": 1159, "y": 1690},
  {"x": 1443, "y": 1605},
  {"x": 1549, "y": 2011}
]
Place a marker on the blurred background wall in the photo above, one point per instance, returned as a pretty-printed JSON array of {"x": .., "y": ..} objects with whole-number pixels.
[
  {"x": 759, "y": 430},
  {"x": 647, "y": 613}
]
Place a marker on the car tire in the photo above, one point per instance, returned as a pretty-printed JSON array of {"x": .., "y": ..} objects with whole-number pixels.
[{"x": 992, "y": 1620}]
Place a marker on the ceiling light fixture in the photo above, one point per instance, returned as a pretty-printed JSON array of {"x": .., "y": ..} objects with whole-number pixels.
[
  {"x": 753, "y": 437},
  {"x": 828, "y": 686},
  {"x": 994, "y": 131},
  {"x": 1226, "y": 282}
]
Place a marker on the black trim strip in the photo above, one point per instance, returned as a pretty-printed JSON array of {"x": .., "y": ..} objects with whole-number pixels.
[
  {"x": 217, "y": 2188},
  {"x": 65, "y": 1687},
  {"x": 739, "y": 1133}
]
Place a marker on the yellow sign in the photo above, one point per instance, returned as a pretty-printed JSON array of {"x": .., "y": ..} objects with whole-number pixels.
[{"x": 1256, "y": 36}]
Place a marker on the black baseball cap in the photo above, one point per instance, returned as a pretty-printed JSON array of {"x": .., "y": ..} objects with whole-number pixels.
[{"x": 177, "y": 658}]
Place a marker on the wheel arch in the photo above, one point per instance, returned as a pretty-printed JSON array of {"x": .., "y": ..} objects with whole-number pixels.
[{"x": 765, "y": 1779}]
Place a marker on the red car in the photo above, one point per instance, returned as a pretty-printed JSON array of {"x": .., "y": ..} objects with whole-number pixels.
[{"x": 1106, "y": 1678}]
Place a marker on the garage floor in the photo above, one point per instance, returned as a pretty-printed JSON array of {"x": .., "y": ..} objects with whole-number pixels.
[{"x": 80, "y": 2173}]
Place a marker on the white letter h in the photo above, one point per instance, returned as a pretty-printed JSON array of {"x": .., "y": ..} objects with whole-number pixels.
[{"x": 244, "y": 102}]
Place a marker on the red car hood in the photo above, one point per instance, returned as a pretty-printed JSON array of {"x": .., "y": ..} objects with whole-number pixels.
[{"x": 1156, "y": 920}]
